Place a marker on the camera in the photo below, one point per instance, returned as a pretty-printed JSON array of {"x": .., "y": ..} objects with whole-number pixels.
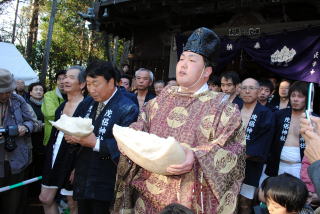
[{"x": 9, "y": 134}]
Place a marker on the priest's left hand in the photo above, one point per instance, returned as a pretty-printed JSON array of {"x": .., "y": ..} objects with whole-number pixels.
[
  {"x": 185, "y": 167},
  {"x": 87, "y": 141}
]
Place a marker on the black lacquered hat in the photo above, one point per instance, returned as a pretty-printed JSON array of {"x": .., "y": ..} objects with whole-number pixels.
[{"x": 205, "y": 42}]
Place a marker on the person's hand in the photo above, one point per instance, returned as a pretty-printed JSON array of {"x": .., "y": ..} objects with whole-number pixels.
[
  {"x": 22, "y": 130},
  {"x": 312, "y": 150},
  {"x": 311, "y": 137},
  {"x": 308, "y": 130},
  {"x": 87, "y": 141},
  {"x": 185, "y": 167},
  {"x": 305, "y": 125}
]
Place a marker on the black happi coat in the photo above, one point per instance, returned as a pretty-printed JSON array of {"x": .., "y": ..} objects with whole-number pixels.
[
  {"x": 237, "y": 100},
  {"x": 259, "y": 134},
  {"x": 58, "y": 174},
  {"x": 95, "y": 172},
  {"x": 283, "y": 118},
  {"x": 149, "y": 96},
  {"x": 274, "y": 104}
]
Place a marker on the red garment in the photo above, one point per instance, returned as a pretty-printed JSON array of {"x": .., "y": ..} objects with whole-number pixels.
[{"x": 304, "y": 174}]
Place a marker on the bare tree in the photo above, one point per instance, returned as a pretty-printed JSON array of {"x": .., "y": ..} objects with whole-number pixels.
[
  {"x": 3, "y": 5},
  {"x": 15, "y": 23},
  {"x": 115, "y": 49},
  {"x": 108, "y": 51},
  {"x": 33, "y": 29},
  {"x": 4, "y": 1},
  {"x": 45, "y": 61},
  {"x": 126, "y": 50}
]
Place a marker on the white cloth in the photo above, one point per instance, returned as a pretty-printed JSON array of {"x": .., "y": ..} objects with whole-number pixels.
[
  {"x": 263, "y": 175},
  {"x": 56, "y": 147},
  {"x": 49, "y": 187},
  {"x": 203, "y": 88},
  {"x": 292, "y": 154},
  {"x": 63, "y": 191},
  {"x": 247, "y": 191},
  {"x": 292, "y": 169}
]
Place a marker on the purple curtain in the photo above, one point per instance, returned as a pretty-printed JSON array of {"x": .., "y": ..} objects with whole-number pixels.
[{"x": 294, "y": 55}]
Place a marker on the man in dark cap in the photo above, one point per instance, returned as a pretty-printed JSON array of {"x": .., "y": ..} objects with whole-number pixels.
[{"x": 209, "y": 127}]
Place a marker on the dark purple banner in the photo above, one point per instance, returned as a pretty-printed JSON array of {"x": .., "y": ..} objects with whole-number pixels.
[{"x": 294, "y": 55}]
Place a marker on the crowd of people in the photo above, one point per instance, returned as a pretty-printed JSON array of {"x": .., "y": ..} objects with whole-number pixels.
[{"x": 248, "y": 145}]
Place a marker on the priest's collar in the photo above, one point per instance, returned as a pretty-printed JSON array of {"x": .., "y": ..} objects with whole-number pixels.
[{"x": 203, "y": 88}]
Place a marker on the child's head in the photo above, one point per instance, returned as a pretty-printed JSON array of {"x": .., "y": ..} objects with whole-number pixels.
[
  {"x": 285, "y": 194},
  {"x": 176, "y": 209},
  {"x": 261, "y": 190}
]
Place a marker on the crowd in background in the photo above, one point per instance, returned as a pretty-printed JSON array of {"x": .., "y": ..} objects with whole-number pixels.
[{"x": 271, "y": 110}]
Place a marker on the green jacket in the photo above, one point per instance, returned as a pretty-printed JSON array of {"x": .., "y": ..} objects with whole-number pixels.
[{"x": 52, "y": 100}]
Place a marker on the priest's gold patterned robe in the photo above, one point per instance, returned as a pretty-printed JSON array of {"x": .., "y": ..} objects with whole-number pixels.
[{"x": 209, "y": 125}]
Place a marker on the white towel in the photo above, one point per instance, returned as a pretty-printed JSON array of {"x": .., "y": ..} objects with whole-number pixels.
[
  {"x": 247, "y": 191},
  {"x": 290, "y": 153}
]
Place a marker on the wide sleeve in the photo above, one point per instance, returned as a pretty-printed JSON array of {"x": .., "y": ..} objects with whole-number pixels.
[
  {"x": 127, "y": 169},
  {"x": 143, "y": 121},
  {"x": 222, "y": 160}
]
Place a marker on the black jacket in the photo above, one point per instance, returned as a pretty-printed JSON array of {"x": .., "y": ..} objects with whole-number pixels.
[
  {"x": 149, "y": 96},
  {"x": 37, "y": 137},
  {"x": 59, "y": 174},
  {"x": 131, "y": 96},
  {"x": 95, "y": 172},
  {"x": 282, "y": 125}
]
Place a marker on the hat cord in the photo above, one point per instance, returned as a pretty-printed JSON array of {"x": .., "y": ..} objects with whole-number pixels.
[{"x": 197, "y": 81}]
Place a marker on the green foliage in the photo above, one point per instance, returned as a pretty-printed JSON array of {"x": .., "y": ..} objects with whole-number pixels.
[{"x": 72, "y": 42}]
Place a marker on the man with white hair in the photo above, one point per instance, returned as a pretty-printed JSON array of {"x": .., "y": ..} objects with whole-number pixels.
[
  {"x": 60, "y": 157},
  {"x": 259, "y": 123},
  {"x": 144, "y": 79}
]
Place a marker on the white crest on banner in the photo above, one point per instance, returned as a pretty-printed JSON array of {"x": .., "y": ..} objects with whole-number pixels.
[
  {"x": 314, "y": 62},
  {"x": 229, "y": 47},
  {"x": 257, "y": 45},
  {"x": 285, "y": 55}
]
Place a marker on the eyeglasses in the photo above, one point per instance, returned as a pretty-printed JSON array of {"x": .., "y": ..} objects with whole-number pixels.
[{"x": 250, "y": 88}]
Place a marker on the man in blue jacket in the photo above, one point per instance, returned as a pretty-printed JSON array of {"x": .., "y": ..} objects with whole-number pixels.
[{"x": 96, "y": 166}]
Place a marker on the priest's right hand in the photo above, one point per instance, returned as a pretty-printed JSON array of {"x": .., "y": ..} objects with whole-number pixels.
[{"x": 185, "y": 167}]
